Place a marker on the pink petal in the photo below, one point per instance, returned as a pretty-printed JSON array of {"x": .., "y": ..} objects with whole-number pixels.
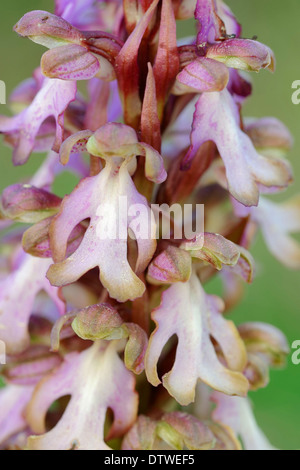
[
  {"x": 26, "y": 203},
  {"x": 243, "y": 54},
  {"x": 52, "y": 100},
  {"x": 70, "y": 62},
  {"x": 97, "y": 380},
  {"x": 231, "y": 24},
  {"x": 14, "y": 400},
  {"x": 278, "y": 222},
  {"x": 31, "y": 366},
  {"x": 217, "y": 119},
  {"x": 187, "y": 312},
  {"x": 211, "y": 26},
  {"x": 236, "y": 413},
  {"x": 166, "y": 65},
  {"x": 172, "y": 265},
  {"x": 105, "y": 241},
  {"x": 127, "y": 66},
  {"x": 203, "y": 75},
  {"x": 87, "y": 15}
]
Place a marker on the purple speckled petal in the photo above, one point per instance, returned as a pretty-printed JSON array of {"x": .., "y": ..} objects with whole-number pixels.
[
  {"x": 171, "y": 265},
  {"x": 47, "y": 29}
]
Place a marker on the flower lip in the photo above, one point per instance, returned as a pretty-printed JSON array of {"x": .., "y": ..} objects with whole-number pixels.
[{"x": 37, "y": 23}]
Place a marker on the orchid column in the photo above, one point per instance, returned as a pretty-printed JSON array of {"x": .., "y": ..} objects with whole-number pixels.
[{"x": 112, "y": 340}]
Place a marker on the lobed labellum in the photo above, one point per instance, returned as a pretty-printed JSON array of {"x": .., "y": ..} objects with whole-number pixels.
[
  {"x": 104, "y": 322},
  {"x": 195, "y": 318},
  {"x": 217, "y": 118},
  {"x": 236, "y": 412}
]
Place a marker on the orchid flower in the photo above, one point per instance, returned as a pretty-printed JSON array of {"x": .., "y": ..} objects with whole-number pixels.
[
  {"x": 217, "y": 118},
  {"x": 218, "y": 43},
  {"x": 52, "y": 100},
  {"x": 90, "y": 379},
  {"x": 175, "y": 430},
  {"x": 92, "y": 291},
  {"x": 17, "y": 297},
  {"x": 98, "y": 198},
  {"x": 236, "y": 412}
]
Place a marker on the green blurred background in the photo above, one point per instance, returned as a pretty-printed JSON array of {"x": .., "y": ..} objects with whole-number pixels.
[{"x": 274, "y": 296}]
